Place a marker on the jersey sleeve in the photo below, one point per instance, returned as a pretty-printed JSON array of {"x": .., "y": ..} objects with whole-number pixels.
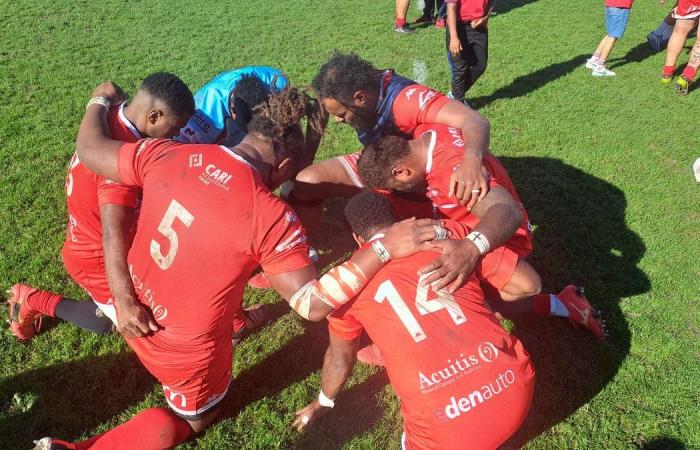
[
  {"x": 112, "y": 193},
  {"x": 342, "y": 324},
  {"x": 416, "y": 104},
  {"x": 278, "y": 238},
  {"x": 136, "y": 159}
]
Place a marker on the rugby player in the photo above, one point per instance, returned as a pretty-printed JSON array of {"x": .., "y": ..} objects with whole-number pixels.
[
  {"x": 378, "y": 102},
  {"x": 207, "y": 221},
  {"x": 102, "y": 214},
  {"x": 463, "y": 381},
  {"x": 500, "y": 237}
]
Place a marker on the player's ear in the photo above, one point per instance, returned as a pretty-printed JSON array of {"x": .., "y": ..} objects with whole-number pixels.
[
  {"x": 401, "y": 173},
  {"x": 154, "y": 115},
  {"x": 358, "y": 239},
  {"x": 359, "y": 98}
]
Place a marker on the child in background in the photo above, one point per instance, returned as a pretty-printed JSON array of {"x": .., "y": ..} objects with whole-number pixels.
[
  {"x": 685, "y": 13},
  {"x": 467, "y": 42},
  {"x": 617, "y": 14}
]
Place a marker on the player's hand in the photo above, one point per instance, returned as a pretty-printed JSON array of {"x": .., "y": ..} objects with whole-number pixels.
[
  {"x": 409, "y": 236},
  {"x": 451, "y": 269},
  {"x": 309, "y": 414},
  {"x": 455, "y": 47},
  {"x": 134, "y": 319},
  {"x": 110, "y": 91},
  {"x": 469, "y": 182}
]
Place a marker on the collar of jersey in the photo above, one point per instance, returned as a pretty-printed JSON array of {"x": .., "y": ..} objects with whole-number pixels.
[{"x": 127, "y": 123}]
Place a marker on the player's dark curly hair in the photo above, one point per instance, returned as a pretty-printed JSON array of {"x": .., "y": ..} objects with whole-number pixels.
[
  {"x": 278, "y": 119},
  {"x": 368, "y": 212},
  {"x": 249, "y": 92},
  {"x": 171, "y": 90},
  {"x": 378, "y": 159},
  {"x": 343, "y": 75}
]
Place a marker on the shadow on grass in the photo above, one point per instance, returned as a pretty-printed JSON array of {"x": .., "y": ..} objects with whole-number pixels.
[
  {"x": 526, "y": 84},
  {"x": 662, "y": 443},
  {"x": 580, "y": 237},
  {"x": 636, "y": 54},
  {"x": 68, "y": 399},
  {"x": 505, "y": 6}
]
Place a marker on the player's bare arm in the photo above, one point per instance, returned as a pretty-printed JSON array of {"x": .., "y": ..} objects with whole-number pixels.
[
  {"x": 499, "y": 219},
  {"x": 133, "y": 318},
  {"x": 469, "y": 181},
  {"x": 315, "y": 298},
  {"x": 94, "y": 146},
  {"x": 337, "y": 368}
]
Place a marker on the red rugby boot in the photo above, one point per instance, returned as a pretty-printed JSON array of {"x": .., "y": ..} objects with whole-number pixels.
[
  {"x": 25, "y": 321},
  {"x": 370, "y": 355},
  {"x": 581, "y": 313}
]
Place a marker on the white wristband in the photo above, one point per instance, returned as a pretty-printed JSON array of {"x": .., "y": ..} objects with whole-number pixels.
[
  {"x": 323, "y": 400},
  {"x": 480, "y": 241},
  {"x": 381, "y": 251},
  {"x": 102, "y": 101}
]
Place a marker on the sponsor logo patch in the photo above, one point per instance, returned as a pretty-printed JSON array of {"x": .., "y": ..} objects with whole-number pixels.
[{"x": 457, "y": 368}]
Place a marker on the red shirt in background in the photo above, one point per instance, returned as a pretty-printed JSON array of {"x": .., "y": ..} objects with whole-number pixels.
[
  {"x": 470, "y": 9},
  {"x": 618, "y": 4}
]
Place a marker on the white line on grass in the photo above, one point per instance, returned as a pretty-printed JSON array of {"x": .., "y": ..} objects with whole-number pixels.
[{"x": 420, "y": 71}]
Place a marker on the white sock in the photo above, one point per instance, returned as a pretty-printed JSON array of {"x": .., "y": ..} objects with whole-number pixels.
[
  {"x": 594, "y": 59},
  {"x": 556, "y": 307}
]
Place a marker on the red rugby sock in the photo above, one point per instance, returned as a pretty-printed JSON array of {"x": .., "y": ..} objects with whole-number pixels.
[
  {"x": 669, "y": 70},
  {"x": 689, "y": 72},
  {"x": 399, "y": 22},
  {"x": 44, "y": 301},
  {"x": 154, "y": 428},
  {"x": 541, "y": 305}
]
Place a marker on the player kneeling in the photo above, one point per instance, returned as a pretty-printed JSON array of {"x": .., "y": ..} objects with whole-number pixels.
[{"x": 463, "y": 381}]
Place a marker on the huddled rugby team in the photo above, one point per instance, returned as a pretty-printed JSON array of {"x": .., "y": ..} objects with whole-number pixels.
[{"x": 172, "y": 212}]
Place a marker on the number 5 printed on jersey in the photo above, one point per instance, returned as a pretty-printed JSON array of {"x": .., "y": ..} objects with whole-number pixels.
[
  {"x": 175, "y": 211},
  {"x": 444, "y": 300}
]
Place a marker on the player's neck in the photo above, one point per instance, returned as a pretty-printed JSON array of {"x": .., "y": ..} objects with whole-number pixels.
[
  {"x": 419, "y": 150},
  {"x": 132, "y": 112},
  {"x": 258, "y": 153}
]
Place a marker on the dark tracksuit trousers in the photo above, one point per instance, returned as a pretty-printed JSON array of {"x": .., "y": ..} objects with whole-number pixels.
[{"x": 470, "y": 63}]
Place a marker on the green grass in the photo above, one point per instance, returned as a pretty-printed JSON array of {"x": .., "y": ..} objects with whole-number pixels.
[{"x": 603, "y": 166}]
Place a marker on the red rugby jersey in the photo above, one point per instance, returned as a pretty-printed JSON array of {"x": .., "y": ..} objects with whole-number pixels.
[
  {"x": 207, "y": 222},
  {"x": 445, "y": 153},
  {"x": 463, "y": 381},
  {"x": 415, "y": 105},
  {"x": 86, "y": 192}
]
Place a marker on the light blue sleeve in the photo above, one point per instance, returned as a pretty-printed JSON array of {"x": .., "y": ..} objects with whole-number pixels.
[{"x": 212, "y": 101}]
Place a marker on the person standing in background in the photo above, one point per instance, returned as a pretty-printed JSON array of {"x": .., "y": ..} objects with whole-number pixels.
[
  {"x": 432, "y": 11},
  {"x": 467, "y": 40},
  {"x": 400, "y": 24},
  {"x": 617, "y": 14}
]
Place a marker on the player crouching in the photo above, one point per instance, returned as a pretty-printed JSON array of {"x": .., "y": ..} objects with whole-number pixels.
[{"x": 463, "y": 381}]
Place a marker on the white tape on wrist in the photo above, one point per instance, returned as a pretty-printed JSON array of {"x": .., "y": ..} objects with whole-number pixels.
[
  {"x": 482, "y": 244},
  {"x": 102, "y": 101},
  {"x": 381, "y": 251},
  {"x": 323, "y": 400}
]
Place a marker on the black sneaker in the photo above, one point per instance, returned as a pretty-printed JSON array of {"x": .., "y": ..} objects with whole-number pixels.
[{"x": 424, "y": 19}]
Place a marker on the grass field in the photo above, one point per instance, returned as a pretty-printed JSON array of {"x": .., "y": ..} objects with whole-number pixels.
[{"x": 603, "y": 166}]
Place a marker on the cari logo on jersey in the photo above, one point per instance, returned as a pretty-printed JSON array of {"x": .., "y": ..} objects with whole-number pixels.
[{"x": 456, "y": 368}]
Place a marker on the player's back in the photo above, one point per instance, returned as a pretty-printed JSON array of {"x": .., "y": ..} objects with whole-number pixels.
[
  {"x": 86, "y": 191},
  {"x": 464, "y": 382},
  {"x": 207, "y": 222}
]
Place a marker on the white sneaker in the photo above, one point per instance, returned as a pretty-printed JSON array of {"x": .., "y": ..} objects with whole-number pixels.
[
  {"x": 602, "y": 71},
  {"x": 591, "y": 62}
]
